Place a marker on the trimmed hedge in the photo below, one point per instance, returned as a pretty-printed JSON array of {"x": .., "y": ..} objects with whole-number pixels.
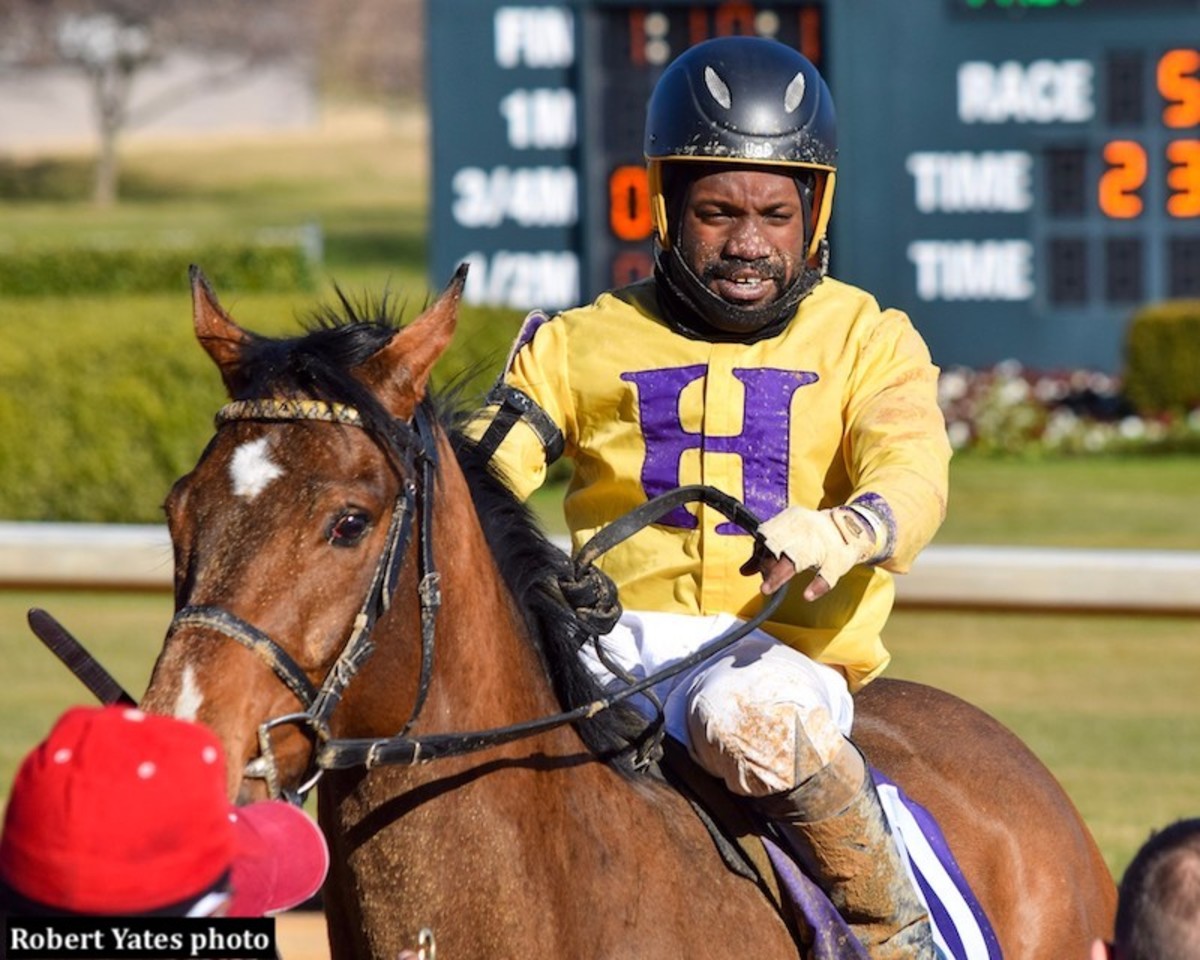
[
  {"x": 1162, "y": 358},
  {"x": 105, "y": 402},
  {"x": 79, "y": 271}
]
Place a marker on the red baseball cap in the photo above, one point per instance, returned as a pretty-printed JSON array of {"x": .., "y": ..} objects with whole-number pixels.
[{"x": 121, "y": 812}]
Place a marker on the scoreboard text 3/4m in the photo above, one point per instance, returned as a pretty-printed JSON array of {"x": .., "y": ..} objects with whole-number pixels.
[{"x": 1018, "y": 175}]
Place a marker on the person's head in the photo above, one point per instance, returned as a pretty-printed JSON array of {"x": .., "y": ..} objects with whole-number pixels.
[
  {"x": 1158, "y": 909},
  {"x": 120, "y": 812},
  {"x": 741, "y": 149}
]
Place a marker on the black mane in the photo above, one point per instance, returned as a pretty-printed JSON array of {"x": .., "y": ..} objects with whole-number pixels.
[
  {"x": 528, "y": 562},
  {"x": 317, "y": 364}
]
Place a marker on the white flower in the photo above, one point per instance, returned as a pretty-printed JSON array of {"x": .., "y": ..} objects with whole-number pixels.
[
  {"x": 1059, "y": 426},
  {"x": 952, "y": 385},
  {"x": 1095, "y": 438},
  {"x": 1049, "y": 389},
  {"x": 1132, "y": 428},
  {"x": 1013, "y": 392},
  {"x": 959, "y": 433}
]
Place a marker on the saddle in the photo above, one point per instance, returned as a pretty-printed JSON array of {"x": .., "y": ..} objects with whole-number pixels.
[{"x": 751, "y": 848}]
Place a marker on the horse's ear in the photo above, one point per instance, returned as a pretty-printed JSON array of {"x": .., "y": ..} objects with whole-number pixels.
[
  {"x": 221, "y": 338},
  {"x": 400, "y": 371}
]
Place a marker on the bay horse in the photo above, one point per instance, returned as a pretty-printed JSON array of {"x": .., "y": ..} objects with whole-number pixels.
[{"x": 346, "y": 568}]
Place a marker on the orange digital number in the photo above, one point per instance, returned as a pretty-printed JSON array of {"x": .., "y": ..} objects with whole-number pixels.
[
  {"x": 631, "y": 266},
  {"x": 1180, "y": 87},
  {"x": 637, "y": 37},
  {"x": 1125, "y": 176},
  {"x": 1183, "y": 178},
  {"x": 810, "y": 34},
  {"x": 629, "y": 203},
  {"x": 734, "y": 19}
]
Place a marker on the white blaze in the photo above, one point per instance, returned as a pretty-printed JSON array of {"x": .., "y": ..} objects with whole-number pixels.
[
  {"x": 187, "y": 707},
  {"x": 252, "y": 468}
]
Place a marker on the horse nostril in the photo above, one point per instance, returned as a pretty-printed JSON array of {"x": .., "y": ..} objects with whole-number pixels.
[{"x": 251, "y": 791}]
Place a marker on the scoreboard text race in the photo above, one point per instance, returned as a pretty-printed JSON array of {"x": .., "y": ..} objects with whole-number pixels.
[{"x": 1018, "y": 175}]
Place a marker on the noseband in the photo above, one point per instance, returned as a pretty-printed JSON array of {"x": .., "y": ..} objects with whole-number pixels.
[{"x": 409, "y": 446}]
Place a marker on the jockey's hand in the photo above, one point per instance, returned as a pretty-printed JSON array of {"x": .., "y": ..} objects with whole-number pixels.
[{"x": 828, "y": 542}]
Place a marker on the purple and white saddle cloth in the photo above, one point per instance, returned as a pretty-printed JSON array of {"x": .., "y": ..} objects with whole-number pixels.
[{"x": 960, "y": 928}]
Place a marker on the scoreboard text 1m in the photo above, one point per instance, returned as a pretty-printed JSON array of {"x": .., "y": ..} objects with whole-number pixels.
[{"x": 1018, "y": 175}]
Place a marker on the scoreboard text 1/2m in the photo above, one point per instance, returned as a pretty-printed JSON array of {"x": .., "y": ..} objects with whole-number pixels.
[{"x": 1018, "y": 175}]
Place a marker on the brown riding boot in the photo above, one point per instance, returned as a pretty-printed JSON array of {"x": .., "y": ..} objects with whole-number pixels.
[{"x": 837, "y": 828}]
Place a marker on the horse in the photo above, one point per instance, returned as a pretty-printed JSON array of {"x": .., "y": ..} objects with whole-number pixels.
[{"x": 346, "y": 567}]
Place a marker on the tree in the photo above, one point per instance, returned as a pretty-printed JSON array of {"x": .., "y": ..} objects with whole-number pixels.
[
  {"x": 111, "y": 42},
  {"x": 372, "y": 49}
]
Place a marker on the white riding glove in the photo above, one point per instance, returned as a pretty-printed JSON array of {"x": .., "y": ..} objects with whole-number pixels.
[{"x": 828, "y": 542}]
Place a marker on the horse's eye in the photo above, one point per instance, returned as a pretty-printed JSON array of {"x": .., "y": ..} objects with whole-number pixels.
[{"x": 348, "y": 529}]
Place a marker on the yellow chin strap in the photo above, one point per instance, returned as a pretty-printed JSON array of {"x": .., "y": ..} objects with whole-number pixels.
[{"x": 822, "y": 198}]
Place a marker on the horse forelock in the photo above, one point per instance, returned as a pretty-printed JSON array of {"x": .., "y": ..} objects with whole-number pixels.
[
  {"x": 320, "y": 362},
  {"x": 316, "y": 362}
]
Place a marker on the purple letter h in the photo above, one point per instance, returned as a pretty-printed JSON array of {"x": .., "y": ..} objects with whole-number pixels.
[{"x": 763, "y": 443}]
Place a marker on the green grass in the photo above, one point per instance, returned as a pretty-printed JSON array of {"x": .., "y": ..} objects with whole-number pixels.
[
  {"x": 364, "y": 183},
  {"x": 1109, "y": 502},
  {"x": 1108, "y": 703}
]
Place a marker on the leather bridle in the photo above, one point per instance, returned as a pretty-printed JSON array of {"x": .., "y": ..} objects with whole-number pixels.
[{"x": 412, "y": 449}]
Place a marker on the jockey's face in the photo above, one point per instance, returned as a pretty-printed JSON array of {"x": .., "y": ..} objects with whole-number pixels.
[{"x": 742, "y": 233}]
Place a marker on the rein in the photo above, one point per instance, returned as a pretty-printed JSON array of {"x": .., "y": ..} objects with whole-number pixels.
[
  {"x": 401, "y": 749},
  {"x": 408, "y": 446}
]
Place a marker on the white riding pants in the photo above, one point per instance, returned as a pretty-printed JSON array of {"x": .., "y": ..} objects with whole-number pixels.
[{"x": 761, "y": 716}]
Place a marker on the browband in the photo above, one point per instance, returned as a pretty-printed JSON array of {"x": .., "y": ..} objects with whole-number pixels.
[{"x": 282, "y": 408}]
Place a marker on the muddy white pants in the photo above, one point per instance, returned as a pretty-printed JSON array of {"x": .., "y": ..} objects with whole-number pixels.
[{"x": 761, "y": 716}]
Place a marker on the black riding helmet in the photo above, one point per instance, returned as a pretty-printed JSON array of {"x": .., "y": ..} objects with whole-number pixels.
[{"x": 744, "y": 101}]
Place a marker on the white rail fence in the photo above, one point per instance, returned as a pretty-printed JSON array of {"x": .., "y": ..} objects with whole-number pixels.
[{"x": 100, "y": 557}]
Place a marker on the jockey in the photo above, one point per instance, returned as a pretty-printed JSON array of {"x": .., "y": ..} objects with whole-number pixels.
[{"x": 742, "y": 365}]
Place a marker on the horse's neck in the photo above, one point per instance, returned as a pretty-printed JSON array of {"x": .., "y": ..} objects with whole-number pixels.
[
  {"x": 487, "y": 670},
  {"x": 494, "y": 848}
]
